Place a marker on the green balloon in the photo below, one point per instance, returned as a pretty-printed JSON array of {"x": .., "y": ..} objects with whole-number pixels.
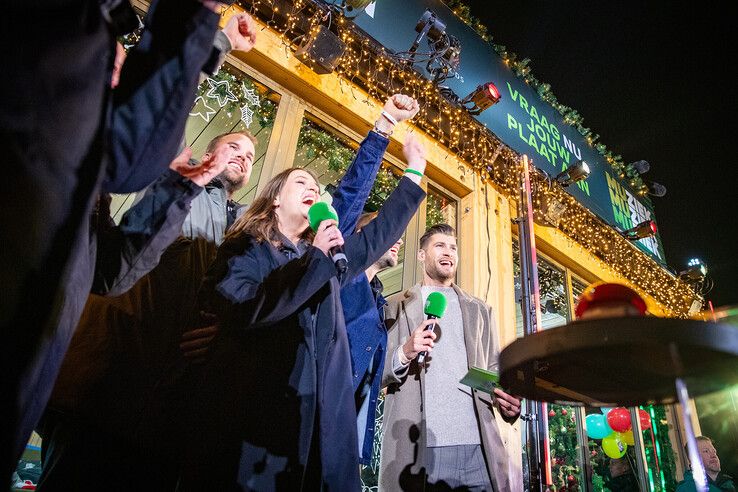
[
  {"x": 597, "y": 427},
  {"x": 614, "y": 446}
]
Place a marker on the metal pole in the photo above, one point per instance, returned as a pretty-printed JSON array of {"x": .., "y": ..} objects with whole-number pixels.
[
  {"x": 539, "y": 462},
  {"x": 640, "y": 455},
  {"x": 698, "y": 469}
]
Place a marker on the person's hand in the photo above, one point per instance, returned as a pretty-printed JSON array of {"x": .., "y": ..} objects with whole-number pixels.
[
  {"x": 414, "y": 153},
  {"x": 206, "y": 171},
  {"x": 216, "y": 7},
  {"x": 509, "y": 405},
  {"x": 195, "y": 343},
  {"x": 421, "y": 340},
  {"x": 401, "y": 107},
  {"x": 120, "y": 58},
  {"x": 241, "y": 32},
  {"x": 328, "y": 236}
]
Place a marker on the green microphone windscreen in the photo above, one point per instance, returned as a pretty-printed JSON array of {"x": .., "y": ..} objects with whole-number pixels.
[
  {"x": 435, "y": 305},
  {"x": 320, "y": 211}
]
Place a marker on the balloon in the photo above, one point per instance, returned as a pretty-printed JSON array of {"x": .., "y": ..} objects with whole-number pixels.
[
  {"x": 613, "y": 445},
  {"x": 619, "y": 419},
  {"x": 627, "y": 437},
  {"x": 597, "y": 427},
  {"x": 644, "y": 418},
  {"x": 606, "y": 410}
]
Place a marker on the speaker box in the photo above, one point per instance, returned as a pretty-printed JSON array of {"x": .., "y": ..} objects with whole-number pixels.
[{"x": 321, "y": 51}]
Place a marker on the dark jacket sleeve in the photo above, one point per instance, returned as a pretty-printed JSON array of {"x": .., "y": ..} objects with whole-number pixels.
[
  {"x": 355, "y": 186},
  {"x": 127, "y": 252},
  {"x": 367, "y": 246},
  {"x": 241, "y": 289},
  {"x": 156, "y": 90}
]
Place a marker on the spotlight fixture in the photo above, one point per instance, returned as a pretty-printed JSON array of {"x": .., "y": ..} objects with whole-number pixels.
[
  {"x": 444, "y": 51},
  {"x": 655, "y": 189},
  {"x": 696, "y": 271},
  {"x": 481, "y": 98},
  {"x": 641, "y": 167},
  {"x": 578, "y": 171},
  {"x": 645, "y": 229},
  {"x": 428, "y": 25}
]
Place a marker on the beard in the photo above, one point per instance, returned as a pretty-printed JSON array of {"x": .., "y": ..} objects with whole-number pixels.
[
  {"x": 435, "y": 273},
  {"x": 232, "y": 181}
]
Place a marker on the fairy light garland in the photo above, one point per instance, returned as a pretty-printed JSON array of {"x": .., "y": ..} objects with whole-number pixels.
[{"x": 365, "y": 64}]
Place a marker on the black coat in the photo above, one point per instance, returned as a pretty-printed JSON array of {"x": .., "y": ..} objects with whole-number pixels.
[{"x": 276, "y": 410}]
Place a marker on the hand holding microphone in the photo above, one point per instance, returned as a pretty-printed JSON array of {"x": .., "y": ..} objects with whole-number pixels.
[
  {"x": 328, "y": 238},
  {"x": 422, "y": 339}
]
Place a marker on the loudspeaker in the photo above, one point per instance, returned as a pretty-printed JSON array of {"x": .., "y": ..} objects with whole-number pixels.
[{"x": 321, "y": 51}]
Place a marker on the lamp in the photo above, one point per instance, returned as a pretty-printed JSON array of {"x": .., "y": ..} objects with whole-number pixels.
[
  {"x": 428, "y": 25},
  {"x": 578, "y": 171},
  {"x": 645, "y": 229},
  {"x": 481, "y": 98},
  {"x": 696, "y": 271},
  {"x": 642, "y": 167},
  {"x": 655, "y": 189}
]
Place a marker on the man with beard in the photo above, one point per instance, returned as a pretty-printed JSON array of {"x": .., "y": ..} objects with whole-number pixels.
[
  {"x": 102, "y": 424},
  {"x": 440, "y": 434},
  {"x": 717, "y": 481}
]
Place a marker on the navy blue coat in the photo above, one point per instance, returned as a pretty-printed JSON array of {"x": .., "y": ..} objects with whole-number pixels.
[
  {"x": 276, "y": 408},
  {"x": 65, "y": 132}
]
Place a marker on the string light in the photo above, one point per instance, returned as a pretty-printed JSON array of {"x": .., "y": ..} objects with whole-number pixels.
[{"x": 459, "y": 133}]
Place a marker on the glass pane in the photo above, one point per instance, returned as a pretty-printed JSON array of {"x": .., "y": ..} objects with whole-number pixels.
[
  {"x": 552, "y": 285},
  {"x": 229, "y": 101},
  {"x": 439, "y": 209},
  {"x": 328, "y": 154}
]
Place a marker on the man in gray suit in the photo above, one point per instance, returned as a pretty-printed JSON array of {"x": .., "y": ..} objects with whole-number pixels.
[{"x": 438, "y": 433}]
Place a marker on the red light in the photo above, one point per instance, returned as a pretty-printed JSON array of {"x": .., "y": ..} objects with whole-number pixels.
[
  {"x": 493, "y": 92},
  {"x": 653, "y": 227}
]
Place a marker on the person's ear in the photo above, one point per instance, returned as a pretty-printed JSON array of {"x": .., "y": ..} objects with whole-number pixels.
[{"x": 421, "y": 255}]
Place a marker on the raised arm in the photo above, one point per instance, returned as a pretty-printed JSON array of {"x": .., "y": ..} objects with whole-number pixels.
[
  {"x": 356, "y": 184},
  {"x": 129, "y": 251}
]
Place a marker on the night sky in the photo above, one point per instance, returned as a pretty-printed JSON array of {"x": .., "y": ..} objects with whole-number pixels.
[{"x": 655, "y": 83}]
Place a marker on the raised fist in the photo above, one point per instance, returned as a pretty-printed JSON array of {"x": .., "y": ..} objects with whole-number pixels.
[{"x": 401, "y": 107}]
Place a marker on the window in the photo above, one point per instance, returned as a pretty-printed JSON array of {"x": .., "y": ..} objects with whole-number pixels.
[
  {"x": 229, "y": 101},
  {"x": 328, "y": 153}
]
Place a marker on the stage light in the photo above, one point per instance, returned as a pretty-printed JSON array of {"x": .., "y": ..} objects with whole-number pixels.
[
  {"x": 481, "y": 98},
  {"x": 578, "y": 171},
  {"x": 645, "y": 229},
  {"x": 655, "y": 189},
  {"x": 428, "y": 25},
  {"x": 696, "y": 271},
  {"x": 641, "y": 167}
]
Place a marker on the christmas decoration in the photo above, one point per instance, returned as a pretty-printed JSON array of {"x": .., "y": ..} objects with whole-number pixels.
[
  {"x": 565, "y": 467},
  {"x": 221, "y": 91},
  {"x": 202, "y": 109}
]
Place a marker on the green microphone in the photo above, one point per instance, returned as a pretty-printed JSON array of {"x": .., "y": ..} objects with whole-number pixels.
[
  {"x": 317, "y": 213},
  {"x": 435, "y": 307}
]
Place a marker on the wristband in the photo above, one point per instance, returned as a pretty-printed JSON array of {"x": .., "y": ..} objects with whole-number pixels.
[
  {"x": 380, "y": 132},
  {"x": 414, "y": 171},
  {"x": 389, "y": 118}
]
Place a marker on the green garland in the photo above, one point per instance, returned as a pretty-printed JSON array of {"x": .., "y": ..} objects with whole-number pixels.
[{"x": 522, "y": 70}]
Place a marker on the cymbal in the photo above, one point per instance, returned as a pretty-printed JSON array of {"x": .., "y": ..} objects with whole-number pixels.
[{"x": 621, "y": 361}]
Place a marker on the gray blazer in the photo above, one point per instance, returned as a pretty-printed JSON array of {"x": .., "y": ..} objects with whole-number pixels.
[{"x": 403, "y": 446}]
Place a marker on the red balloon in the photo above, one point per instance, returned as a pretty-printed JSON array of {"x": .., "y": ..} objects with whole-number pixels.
[
  {"x": 644, "y": 418},
  {"x": 619, "y": 419}
]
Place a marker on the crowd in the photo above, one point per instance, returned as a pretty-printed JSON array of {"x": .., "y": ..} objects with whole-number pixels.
[{"x": 201, "y": 343}]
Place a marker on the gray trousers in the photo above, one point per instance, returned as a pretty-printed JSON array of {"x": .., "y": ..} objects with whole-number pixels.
[{"x": 458, "y": 467}]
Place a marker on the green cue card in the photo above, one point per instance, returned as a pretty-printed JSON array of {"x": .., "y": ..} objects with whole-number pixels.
[{"x": 480, "y": 379}]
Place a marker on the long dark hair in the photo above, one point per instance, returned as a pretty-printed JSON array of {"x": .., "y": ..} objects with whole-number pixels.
[{"x": 260, "y": 220}]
